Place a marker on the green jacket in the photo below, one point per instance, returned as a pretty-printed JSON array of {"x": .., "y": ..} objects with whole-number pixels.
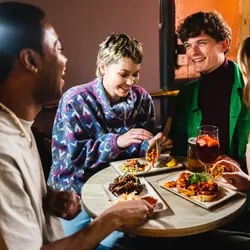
[{"x": 187, "y": 117}]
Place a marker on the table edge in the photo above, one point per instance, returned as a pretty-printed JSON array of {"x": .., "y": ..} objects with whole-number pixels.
[{"x": 140, "y": 231}]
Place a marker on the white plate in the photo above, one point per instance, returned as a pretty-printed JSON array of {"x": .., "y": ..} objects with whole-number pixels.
[
  {"x": 160, "y": 166},
  {"x": 223, "y": 194},
  {"x": 148, "y": 190}
]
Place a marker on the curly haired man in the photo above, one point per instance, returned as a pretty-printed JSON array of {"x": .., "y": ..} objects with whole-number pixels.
[{"x": 215, "y": 98}]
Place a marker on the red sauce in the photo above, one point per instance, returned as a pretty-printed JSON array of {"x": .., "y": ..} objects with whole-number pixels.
[{"x": 151, "y": 200}]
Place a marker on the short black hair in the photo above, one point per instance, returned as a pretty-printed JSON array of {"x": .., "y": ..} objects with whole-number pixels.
[
  {"x": 20, "y": 28},
  {"x": 211, "y": 23}
]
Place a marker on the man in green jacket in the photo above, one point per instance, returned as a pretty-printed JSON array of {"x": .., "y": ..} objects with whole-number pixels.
[{"x": 215, "y": 98}]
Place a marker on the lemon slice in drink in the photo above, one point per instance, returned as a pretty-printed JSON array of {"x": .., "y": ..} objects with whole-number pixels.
[{"x": 171, "y": 163}]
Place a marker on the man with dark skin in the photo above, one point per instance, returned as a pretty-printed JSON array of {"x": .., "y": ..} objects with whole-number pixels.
[{"x": 31, "y": 70}]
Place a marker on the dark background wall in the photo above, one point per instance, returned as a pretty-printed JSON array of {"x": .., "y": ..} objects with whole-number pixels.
[{"x": 84, "y": 24}]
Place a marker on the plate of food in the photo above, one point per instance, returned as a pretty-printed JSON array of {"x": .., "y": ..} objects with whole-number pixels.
[
  {"x": 140, "y": 166},
  {"x": 198, "y": 188},
  {"x": 131, "y": 187}
]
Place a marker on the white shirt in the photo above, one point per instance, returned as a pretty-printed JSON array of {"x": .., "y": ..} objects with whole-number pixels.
[{"x": 23, "y": 222}]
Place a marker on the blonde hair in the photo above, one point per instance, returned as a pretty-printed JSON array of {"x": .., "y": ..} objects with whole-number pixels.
[
  {"x": 243, "y": 59},
  {"x": 115, "y": 47}
]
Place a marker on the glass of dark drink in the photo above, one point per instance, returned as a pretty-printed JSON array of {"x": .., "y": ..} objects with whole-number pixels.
[{"x": 207, "y": 145}]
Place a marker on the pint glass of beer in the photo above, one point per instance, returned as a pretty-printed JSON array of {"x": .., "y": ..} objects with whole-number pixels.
[{"x": 193, "y": 164}]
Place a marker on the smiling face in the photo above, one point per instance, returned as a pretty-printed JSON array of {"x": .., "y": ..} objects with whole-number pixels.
[
  {"x": 51, "y": 67},
  {"x": 118, "y": 78},
  {"x": 205, "y": 53}
]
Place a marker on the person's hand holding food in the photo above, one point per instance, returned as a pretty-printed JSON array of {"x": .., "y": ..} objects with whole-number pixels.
[
  {"x": 230, "y": 171},
  {"x": 163, "y": 142},
  {"x": 134, "y": 135}
]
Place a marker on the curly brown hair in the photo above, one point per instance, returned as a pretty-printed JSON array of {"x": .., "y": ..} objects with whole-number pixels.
[{"x": 211, "y": 23}]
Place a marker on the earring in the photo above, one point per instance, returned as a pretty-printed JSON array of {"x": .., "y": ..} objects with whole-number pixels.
[{"x": 36, "y": 70}]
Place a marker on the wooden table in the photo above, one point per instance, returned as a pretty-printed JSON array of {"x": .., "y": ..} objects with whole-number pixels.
[{"x": 181, "y": 219}]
